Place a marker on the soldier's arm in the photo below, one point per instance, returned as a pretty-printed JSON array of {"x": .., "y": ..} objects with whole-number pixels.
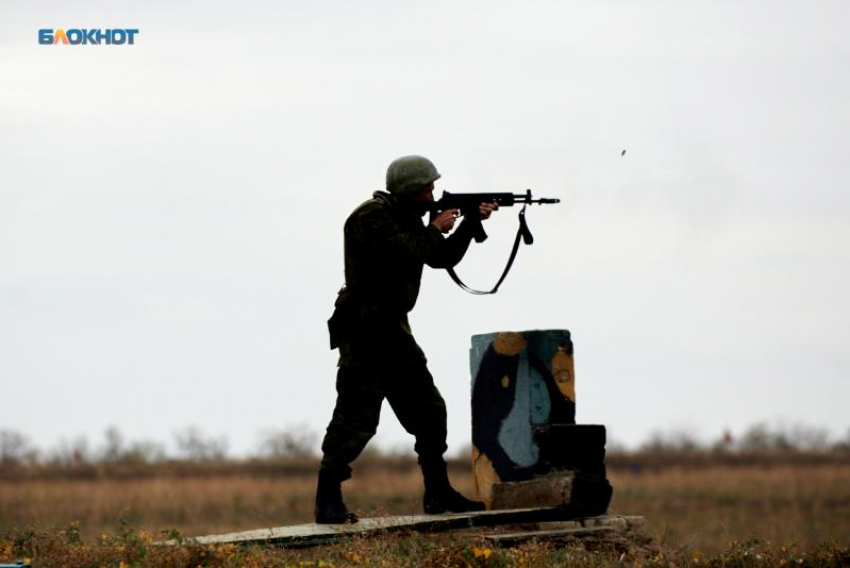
[
  {"x": 452, "y": 248},
  {"x": 456, "y": 245},
  {"x": 380, "y": 231}
]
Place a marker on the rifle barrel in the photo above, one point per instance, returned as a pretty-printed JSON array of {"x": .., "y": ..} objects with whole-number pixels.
[{"x": 507, "y": 199}]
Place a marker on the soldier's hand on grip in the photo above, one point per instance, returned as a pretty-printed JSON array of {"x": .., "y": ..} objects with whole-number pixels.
[
  {"x": 486, "y": 209},
  {"x": 445, "y": 220}
]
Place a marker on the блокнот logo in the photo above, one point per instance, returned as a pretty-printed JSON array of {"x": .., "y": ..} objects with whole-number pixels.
[{"x": 76, "y": 36}]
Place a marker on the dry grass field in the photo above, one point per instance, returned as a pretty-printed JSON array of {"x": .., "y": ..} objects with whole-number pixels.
[
  {"x": 708, "y": 508},
  {"x": 692, "y": 510}
]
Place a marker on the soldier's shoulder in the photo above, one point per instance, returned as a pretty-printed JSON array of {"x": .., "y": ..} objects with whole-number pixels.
[{"x": 377, "y": 206}]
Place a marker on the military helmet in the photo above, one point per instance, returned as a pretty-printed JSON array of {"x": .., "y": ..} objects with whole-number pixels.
[{"x": 409, "y": 174}]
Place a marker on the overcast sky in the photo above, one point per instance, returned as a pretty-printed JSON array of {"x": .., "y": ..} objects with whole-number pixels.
[{"x": 171, "y": 212}]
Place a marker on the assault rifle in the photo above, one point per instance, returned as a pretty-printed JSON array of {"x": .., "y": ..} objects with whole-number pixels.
[{"x": 468, "y": 204}]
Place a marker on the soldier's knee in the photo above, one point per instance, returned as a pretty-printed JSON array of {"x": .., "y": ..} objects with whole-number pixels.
[
  {"x": 355, "y": 424},
  {"x": 438, "y": 408}
]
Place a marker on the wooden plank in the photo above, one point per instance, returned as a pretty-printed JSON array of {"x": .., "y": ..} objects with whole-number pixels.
[
  {"x": 312, "y": 534},
  {"x": 584, "y": 493},
  {"x": 539, "y": 492},
  {"x": 570, "y": 528},
  {"x": 511, "y": 539}
]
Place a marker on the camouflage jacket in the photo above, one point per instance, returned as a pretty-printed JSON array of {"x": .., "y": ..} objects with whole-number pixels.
[{"x": 386, "y": 246}]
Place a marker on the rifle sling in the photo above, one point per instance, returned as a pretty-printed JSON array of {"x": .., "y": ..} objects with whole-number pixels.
[{"x": 522, "y": 234}]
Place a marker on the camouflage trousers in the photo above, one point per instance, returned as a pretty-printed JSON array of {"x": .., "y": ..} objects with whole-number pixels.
[{"x": 409, "y": 388}]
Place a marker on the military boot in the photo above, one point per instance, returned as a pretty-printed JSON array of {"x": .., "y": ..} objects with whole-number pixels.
[
  {"x": 440, "y": 496},
  {"x": 330, "y": 510}
]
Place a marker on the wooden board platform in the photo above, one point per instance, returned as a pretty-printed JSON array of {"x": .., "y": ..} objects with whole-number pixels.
[
  {"x": 578, "y": 527},
  {"x": 312, "y": 534},
  {"x": 514, "y": 538}
]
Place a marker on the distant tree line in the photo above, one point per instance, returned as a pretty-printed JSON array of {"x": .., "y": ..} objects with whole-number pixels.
[
  {"x": 190, "y": 444},
  {"x": 758, "y": 437},
  {"x": 300, "y": 442}
]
